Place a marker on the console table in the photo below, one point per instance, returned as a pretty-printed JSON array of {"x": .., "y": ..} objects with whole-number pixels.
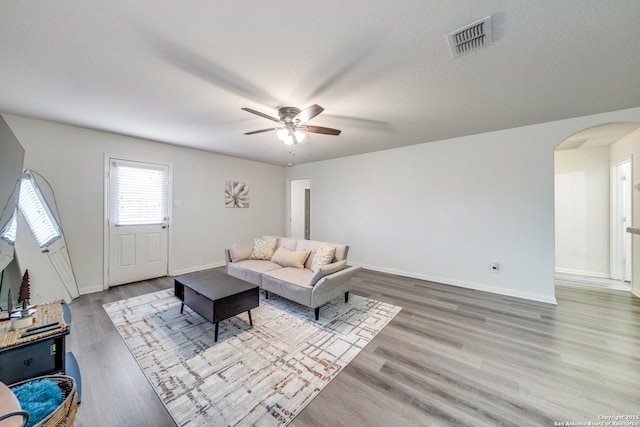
[{"x": 41, "y": 354}]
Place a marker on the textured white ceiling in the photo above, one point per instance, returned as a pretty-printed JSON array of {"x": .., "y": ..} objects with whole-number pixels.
[{"x": 179, "y": 72}]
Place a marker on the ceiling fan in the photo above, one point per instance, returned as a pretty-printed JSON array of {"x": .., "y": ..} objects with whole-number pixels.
[{"x": 293, "y": 121}]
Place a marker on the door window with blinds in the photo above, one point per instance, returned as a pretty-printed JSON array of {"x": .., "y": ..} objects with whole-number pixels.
[{"x": 140, "y": 191}]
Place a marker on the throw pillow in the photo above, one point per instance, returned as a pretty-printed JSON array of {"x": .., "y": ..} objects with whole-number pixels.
[
  {"x": 287, "y": 258},
  {"x": 238, "y": 253},
  {"x": 325, "y": 270},
  {"x": 264, "y": 248},
  {"x": 323, "y": 256}
]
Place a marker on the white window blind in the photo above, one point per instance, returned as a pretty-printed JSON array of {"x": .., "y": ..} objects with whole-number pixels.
[
  {"x": 140, "y": 193},
  {"x": 43, "y": 224}
]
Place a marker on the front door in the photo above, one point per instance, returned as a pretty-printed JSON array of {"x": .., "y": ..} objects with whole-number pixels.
[{"x": 137, "y": 221}]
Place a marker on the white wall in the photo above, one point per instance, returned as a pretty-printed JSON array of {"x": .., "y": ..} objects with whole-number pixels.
[
  {"x": 630, "y": 145},
  {"x": 445, "y": 210},
  {"x": 72, "y": 160},
  {"x": 441, "y": 211},
  {"x": 582, "y": 203}
]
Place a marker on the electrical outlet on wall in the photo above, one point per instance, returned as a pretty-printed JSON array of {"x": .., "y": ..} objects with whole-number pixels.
[{"x": 494, "y": 267}]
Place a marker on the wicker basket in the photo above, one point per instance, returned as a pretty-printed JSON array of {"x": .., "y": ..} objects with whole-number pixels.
[{"x": 65, "y": 413}]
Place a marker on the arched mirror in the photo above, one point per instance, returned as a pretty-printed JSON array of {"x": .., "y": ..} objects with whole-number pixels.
[
  {"x": 11, "y": 161},
  {"x": 38, "y": 207},
  {"x": 8, "y": 227},
  {"x": 31, "y": 236}
]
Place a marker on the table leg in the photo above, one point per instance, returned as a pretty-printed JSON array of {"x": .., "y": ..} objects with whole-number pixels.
[
  {"x": 216, "y": 336},
  {"x": 250, "y": 321},
  {"x": 181, "y": 308}
]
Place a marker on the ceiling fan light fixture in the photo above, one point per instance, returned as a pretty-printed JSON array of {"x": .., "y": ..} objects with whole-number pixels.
[
  {"x": 288, "y": 140},
  {"x": 293, "y": 124},
  {"x": 282, "y": 134},
  {"x": 300, "y": 136},
  {"x": 286, "y": 136}
]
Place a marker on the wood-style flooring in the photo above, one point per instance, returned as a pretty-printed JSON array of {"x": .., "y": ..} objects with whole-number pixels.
[{"x": 452, "y": 356}]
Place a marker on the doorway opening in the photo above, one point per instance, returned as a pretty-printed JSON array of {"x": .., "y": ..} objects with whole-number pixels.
[
  {"x": 621, "y": 219},
  {"x": 594, "y": 206},
  {"x": 300, "y": 209}
]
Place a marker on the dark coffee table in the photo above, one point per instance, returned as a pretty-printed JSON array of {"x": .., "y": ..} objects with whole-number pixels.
[{"x": 215, "y": 295}]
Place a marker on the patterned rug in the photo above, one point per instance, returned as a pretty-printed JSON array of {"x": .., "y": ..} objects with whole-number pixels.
[{"x": 261, "y": 376}]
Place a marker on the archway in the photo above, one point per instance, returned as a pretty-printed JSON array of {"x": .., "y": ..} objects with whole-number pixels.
[{"x": 590, "y": 197}]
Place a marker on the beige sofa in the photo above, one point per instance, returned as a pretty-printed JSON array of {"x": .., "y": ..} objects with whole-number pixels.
[{"x": 308, "y": 272}]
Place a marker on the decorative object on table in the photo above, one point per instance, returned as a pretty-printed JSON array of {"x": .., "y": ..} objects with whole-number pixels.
[
  {"x": 262, "y": 375},
  {"x": 9, "y": 302},
  {"x": 22, "y": 320},
  {"x": 25, "y": 291},
  {"x": 35, "y": 394},
  {"x": 23, "y": 317},
  {"x": 236, "y": 195}
]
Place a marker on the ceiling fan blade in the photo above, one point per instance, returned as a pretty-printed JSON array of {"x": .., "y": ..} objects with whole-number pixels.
[
  {"x": 323, "y": 130},
  {"x": 260, "y": 131},
  {"x": 258, "y": 113},
  {"x": 308, "y": 113}
]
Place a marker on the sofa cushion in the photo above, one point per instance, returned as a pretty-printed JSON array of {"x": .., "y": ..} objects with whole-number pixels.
[
  {"x": 291, "y": 283},
  {"x": 264, "y": 248},
  {"x": 323, "y": 256},
  {"x": 287, "y": 258},
  {"x": 288, "y": 242},
  {"x": 297, "y": 276},
  {"x": 258, "y": 265},
  {"x": 240, "y": 252},
  {"x": 251, "y": 270},
  {"x": 325, "y": 270}
]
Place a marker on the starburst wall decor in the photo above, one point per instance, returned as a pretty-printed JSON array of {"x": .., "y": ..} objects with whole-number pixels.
[{"x": 236, "y": 195}]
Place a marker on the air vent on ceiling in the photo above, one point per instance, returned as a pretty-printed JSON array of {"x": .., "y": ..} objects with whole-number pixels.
[{"x": 471, "y": 37}]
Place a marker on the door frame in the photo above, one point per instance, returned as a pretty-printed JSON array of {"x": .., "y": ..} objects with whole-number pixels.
[
  {"x": 307, "y": 213},
  {"x": 106, "y": 210},
  {"x": 297, "y": 206},
  {"x": 619, "y": 235}
]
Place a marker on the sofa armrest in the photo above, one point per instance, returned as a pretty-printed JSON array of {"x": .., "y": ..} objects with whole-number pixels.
[{"x": 335, "y": 279}]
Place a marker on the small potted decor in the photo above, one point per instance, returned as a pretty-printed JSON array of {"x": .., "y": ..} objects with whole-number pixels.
[
  {"x": 22, "y": 317},
  {"x": 7, "y": 315}
]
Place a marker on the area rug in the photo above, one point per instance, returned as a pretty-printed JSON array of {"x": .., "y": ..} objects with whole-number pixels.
[{"x": 262, "y": 375}]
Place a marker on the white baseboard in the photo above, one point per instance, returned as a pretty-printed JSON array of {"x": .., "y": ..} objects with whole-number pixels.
[
  {"x": 463, "y": 284},
  {"x": 196, "y": 268},
  {"x": 572, "y": 279},
  {"x": 576, "y": 272},
  {"x": 178, "y": 272},
  {"x": 410, "y": 274},
  {"x": 91, "y": 290}
]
